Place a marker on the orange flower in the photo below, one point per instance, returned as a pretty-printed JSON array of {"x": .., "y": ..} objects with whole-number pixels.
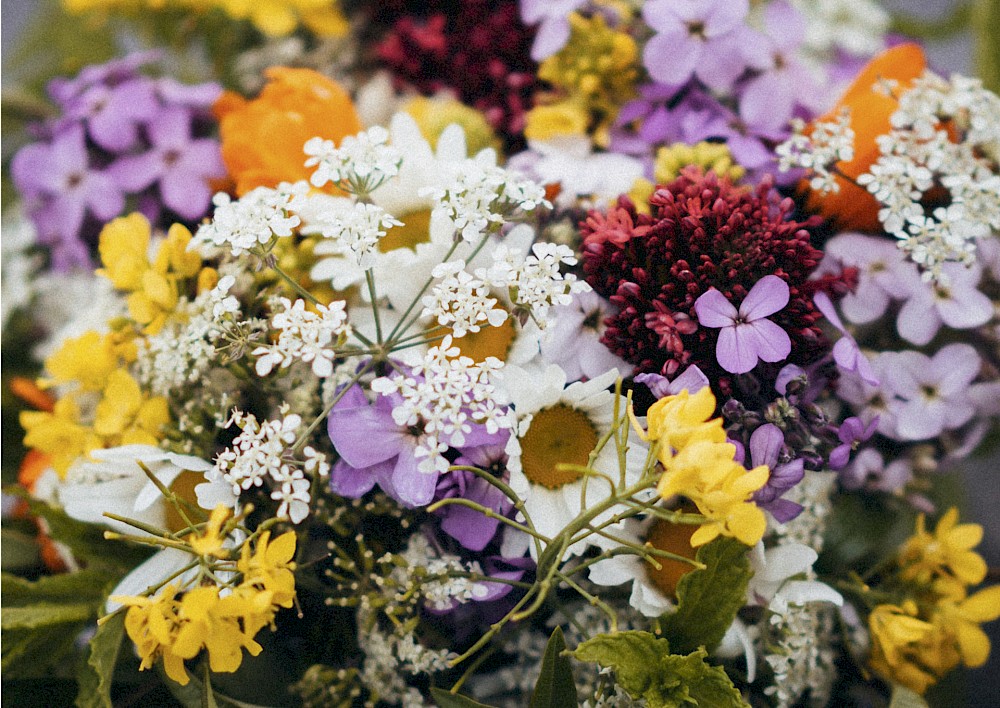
[
  {"x": 853, "y": 207},
  {"x": 262, "y": 138}
]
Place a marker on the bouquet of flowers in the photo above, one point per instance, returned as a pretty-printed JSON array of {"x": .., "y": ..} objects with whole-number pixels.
[{"x": 468, "y": 352}]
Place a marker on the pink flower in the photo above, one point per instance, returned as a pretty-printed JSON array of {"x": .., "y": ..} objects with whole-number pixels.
[{"x": 746, "y": 335}]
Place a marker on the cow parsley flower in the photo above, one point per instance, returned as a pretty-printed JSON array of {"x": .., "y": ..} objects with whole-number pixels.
[
  {"x": 359, "y": 230},
  {"x": 255, "y": 219},
  {"x": 305, "y": 335},
  {"x": 461, "y": 301},
  {"x": 361, "y": 164},
  {"x": 829, "y": 142}
]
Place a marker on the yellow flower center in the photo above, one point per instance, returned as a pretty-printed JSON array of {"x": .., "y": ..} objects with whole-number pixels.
[
  {"x": 488, "y": 341},
  {"x": 183, "y": 486},
  {"x": 416, "y": 229},
  {"x": 673, "y": 538},
  {"x": 559, "y": 434}
]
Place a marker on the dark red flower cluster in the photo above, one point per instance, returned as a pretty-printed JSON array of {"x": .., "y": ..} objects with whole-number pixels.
[
  {"x": 479, "y": 49},
  {"x": 703, "y": 232}
]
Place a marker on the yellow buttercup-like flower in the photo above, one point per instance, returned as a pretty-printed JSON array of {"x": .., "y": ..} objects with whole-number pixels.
[
  {"x": 556, "y": 120},
  {"x": 944, "y": 559},
  {"x": 670, "y": 160},
  {"x": 59, "y": 434},
  {"x": 209, "y": 542},
  {"x": 962, "y": 619},
  {"x": 87, "y": 360},
  {"x": 683, "y": 419},
  {"x": 270, "y": 566},
  {"x": 128, "y": 417},
  {"x": 124, "y": 247}
]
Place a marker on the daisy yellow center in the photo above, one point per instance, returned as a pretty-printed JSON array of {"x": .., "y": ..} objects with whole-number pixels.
[
  {"x": 673, "y": 538},
  {"x": 183, "y": 486},
  {"x": 488, "y": 341},
  {"x": 559, "y": 434},
  {"x": 416, "y": 229}
]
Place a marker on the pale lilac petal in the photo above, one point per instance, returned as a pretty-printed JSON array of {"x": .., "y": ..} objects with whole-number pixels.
[
  {"x": 767, "y": 296},
  {"x": 714, "y": 310},
  {"x": 954, "y": 367},
  {"x": 413, "y": 487},
  {"x": 785, "y": 25},
  {"x": 865, "y": 305},
  {"x": 187, "y": 195},
  {"x": 765, "y": 445},
  {"x": 171, "y": 129},
  {"x": 725, "y": 16},
  {"x": 720, "y": 62},
  {"x": 667, "y": 16},
  {"x": 133, "y": 173},
  {"x": 672, "y": 57},
  {"x": 552, "y": 36},
  {"x": 920, "y": 419},
  {"x": 734, "y": 353},
  {"x": 352, "y": 482},
  {"x": 825, "y": 305},
  {"x": 103, "y": 196},
  {"x": 202, "y": 158},
  {"x": 767, "y": 101},
  {"x": 966, "y": 308},
  {"x": 918, "y": 321},
  {"x": 770, "y": 341}
]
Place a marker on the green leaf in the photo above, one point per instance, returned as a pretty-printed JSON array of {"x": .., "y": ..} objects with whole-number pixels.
[
  {"x": 45, "y": 614},
  {"x": 708, "y": 599},
  {"x": 555, "y": 687},
  {"x": 102, "y": 655},
  {"x": 30, "y": 654},
  {"x": 20, "y": 551},
  {"x": 644, "y": 667},
  {"x": 902, "y": 697},
  {"x": 633, "y": 655},
  {"x": 67, "y": 587},
  {"x": 207, "y": 694},
  {"x": 445, "y": 699}
]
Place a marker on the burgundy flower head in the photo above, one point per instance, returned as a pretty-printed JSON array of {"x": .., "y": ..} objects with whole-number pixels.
[
  {"x": 479, "y": 49},
  {"x": 703, "y": 232}
]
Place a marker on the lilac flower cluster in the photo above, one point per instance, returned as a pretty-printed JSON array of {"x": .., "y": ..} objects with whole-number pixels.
[{"x": 120, "y": 139}]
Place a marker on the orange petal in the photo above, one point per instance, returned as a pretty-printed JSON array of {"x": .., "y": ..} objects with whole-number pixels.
[{"x": 29, "y": 392}]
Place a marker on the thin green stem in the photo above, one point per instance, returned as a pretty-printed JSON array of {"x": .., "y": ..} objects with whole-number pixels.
[
  {"x": 370, "y": 279},
  {"x": 396, "y": 330},
  {"x": 294, "y": 284},
  {"x": 485, "y": 511}
]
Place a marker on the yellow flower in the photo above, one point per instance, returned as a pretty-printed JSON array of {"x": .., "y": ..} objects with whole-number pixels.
[
  {"x": 270, "y": 566},
  {"x": 962, "y": 620},
  {"x": 670, "y": 160},
  {"x": 706, "y": 473},
  {"x": 124, "y": 245},
  {"x": 87, "y": 360},
  {"x": 59, "y": 434},
  {"x": 553, "y": 121},
  {"x": 945, "y": 559},
  {"x": 209, "y": 543},
  {"x": 126, "y": 416},
  {"x": 211, "y": 623},
  {"x": 433, "y": 115},
  {"x": 904, "y": 647},
  {"x": 152, "y": 624},
  {"x": 678, "y": 421}
]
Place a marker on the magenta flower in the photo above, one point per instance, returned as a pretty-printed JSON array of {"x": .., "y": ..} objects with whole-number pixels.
[{"x": 746, "y": 336}]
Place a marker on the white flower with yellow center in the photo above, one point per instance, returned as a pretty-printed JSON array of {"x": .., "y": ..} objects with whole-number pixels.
[{"x": 556, "y": 424}]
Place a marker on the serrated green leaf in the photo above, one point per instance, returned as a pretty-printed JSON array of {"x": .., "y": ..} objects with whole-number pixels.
[
  {"x": 30, "y": 654},
  {"x": 45, "y": 614},
  {"x": 633, "y": 655},
  {"x": 445, "y": 699},
  {"x": 555, "y": 687},
  {"x": 102, "y": 655},
  {"x": 903, "y": 697},
  {"x": 690, "y": 681},
  {"x": 708, "y": 599},
  {"x": 66, "y": 587}
]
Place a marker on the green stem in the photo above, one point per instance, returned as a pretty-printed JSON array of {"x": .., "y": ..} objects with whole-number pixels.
[
  {"x": 485, "y": 511},
  {"x": 396, "y": 330},
  {"x": 295, "y": 286},
  {"x": 370, "y": 279}
]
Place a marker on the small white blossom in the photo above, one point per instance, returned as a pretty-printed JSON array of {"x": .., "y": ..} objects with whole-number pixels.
[
  {"x": 461, "y": 301},
  {"x": 361, "y": 164},
  {"x": 829, "y": 143},
  {"x": 305, "y": 335},
  {"x": 254, "y": 219},
  {"x": 294, "y": 497},
  {"x": 443, "y": 396},
  {"x": 359, "y": 231},
  {"x": 257, "y": 453}
]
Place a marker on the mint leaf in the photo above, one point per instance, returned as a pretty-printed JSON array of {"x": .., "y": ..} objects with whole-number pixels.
[
  {"x": 634, "y": 656},
  {"x": 95, "y": 675},
  {"x": 708, "y": 599},
  {"x": 690, "y": 681},
  {"x": 68, "y": 587},
  {"x": 45, "y": 614},
  {"x": 555, "y": 687}
]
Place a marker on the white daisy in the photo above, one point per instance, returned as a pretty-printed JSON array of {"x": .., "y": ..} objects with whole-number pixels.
[
  {"x": 650, "y": 587},
  {"x": 558, "y": 424}
]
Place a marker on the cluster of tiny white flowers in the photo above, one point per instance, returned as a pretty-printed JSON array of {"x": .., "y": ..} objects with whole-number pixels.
[
  {"x": 920, "y": 153},
  {"x": 259, "y": 453},
  {"x": 481, "y": 196},
  {"x": 178, "y": 355},
  {"x": 361, "y": 164},
  {"x": 360, "y": 230},
  {"x": 304, "y": 335},
  {"x": 801, "y": 655},
  {"x": 856, "y": 26},
  {"x": 254, "y": 219},
  {"x": 380, "y": 672},
  {"x": 461, "y": 301},
  {"x": 813, "y": 494},
  {"x": 439, "y": 591},
  {"x": 829, "y": 143},
  {"x": 443, "y": 396},
  {"x": 534, "y": 282}
]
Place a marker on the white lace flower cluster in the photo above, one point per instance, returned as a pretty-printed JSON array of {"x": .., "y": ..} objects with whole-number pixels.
[
  {"x": 534, "y": 282},
  {"x": 361, "y": 164},
  {"x": 443, "y": 396},
  {"x": 259, "y": 454},
  {"x": 461, "y": 301},
  {"x": 481, "y": 196},
  {"x": 438, "y": 575},
  {"x": 944, "y": 134},
  {"x": 359, "y": 230},
  {"x": 304, "y": 335},
  {"x": 254, "y": 219},
  {"x": 829, "y": 142}
]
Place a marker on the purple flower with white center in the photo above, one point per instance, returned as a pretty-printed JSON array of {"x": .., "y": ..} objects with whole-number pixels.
[
  {"x": 869, "y": 471},
  {"x": 953, "y": 301},
  {"x": 574, "y": 341},
  {"x": 692, "y": 379},
  {"x": 702, "y": 38},
  {"x": 846, "y": 352},
  {"x": 768, "y": 99},
  {"x": 552, "y": 18},
  {"x": 934, "y": 390},
  {"x": 57, "y": 180},
  {"x": 884, "y": 274},
  {"x": 181, "y": 165},
  {"x": 766, "y": 444},
  {"x": 470, "y": 527},
  {"x": 874, "y": 402},
  {"x": 852, "y": 433},
  {"x": 746, "y": 336}
]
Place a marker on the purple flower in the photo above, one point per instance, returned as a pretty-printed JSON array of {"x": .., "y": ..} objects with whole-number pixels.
[
  {"x": 934, "y": 391},
  {"x": 852, "y": 433},
  {"x": 884, "y": 274},
  {"x": 869, "y": 471},
  {"x": 956, "y": 303},
  {"x": 691, "y": 379},
  {"x": 746, "y": 336},
  {"x": 61, "y": 188},
  {"x": 574, "y": 341},
  {"x": 700, "y": 38},
  {"x": 473, "y": 529},
  {"x": 846, "y": 352},
  {"x": 113, "y": 114},
  {"x": 553, "y": 30},
  {"x": 768, "y": 99},
  {"x": 766, "y": 444},
  {"x": 181, "y": 165}
]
